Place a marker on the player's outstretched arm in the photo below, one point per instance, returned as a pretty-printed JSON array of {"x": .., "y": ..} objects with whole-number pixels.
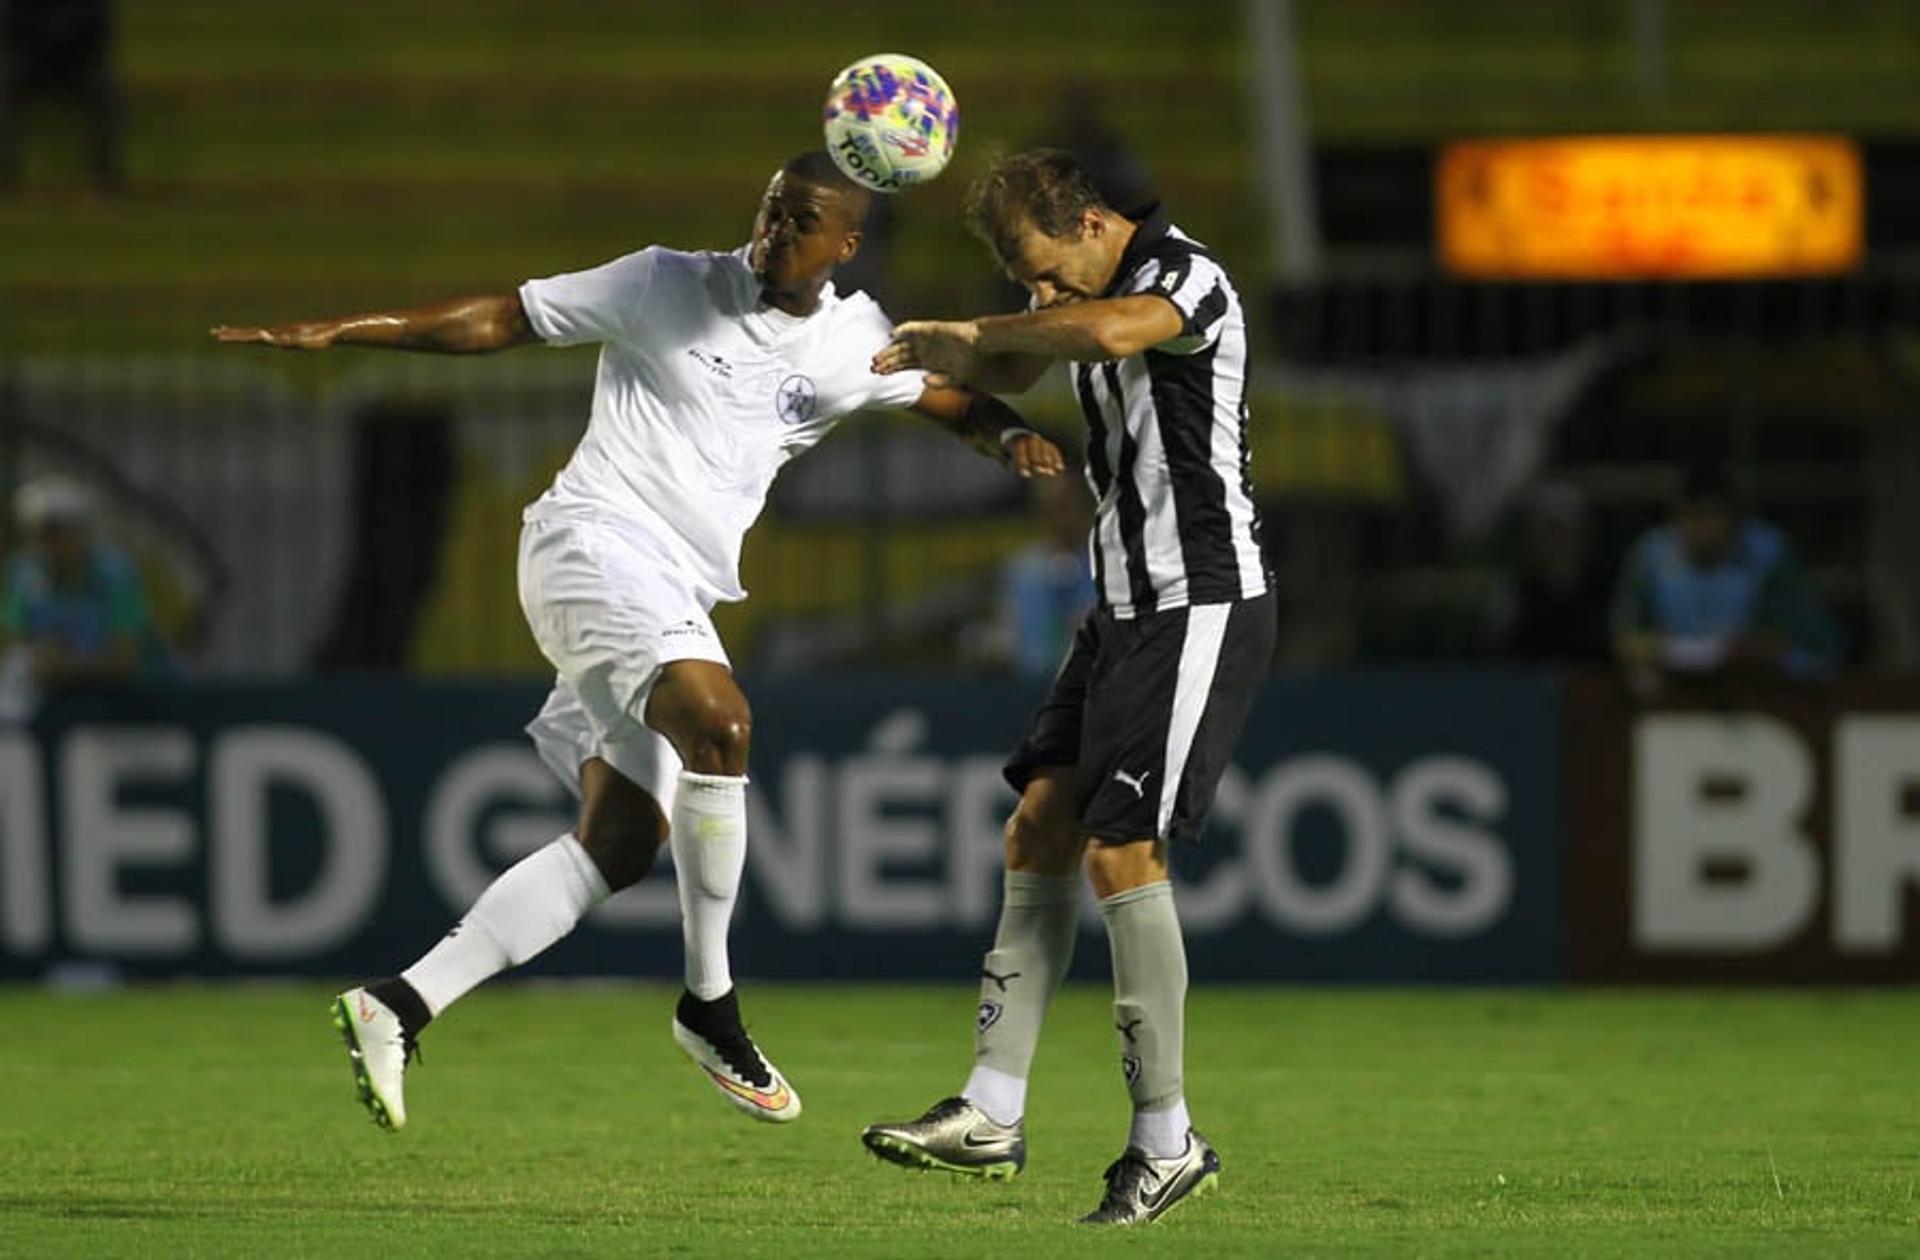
[
  {"x": 990, "y": 427},
  {"x": 1007, "y": 373},
  {"x": 1086, "y": 332},
  {"x": 466, "y": 325}
]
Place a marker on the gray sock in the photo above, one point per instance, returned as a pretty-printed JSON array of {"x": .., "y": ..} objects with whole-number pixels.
[
  {"x": 1149, "y": 991},
  {"x": 1031, "y": 950}
]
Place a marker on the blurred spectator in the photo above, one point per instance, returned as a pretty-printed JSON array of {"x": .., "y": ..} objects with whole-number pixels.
[
  {"x": 1079, "y": 126},
  {"x": 61, "y": 49},
  {"x": 1715, "y": 590},
  {"x": 72, "y": 610},
  {"x": 870, "y": 270},
  {"x": 1047, "y": 587},
  {"x": 1556, "y": 608}
]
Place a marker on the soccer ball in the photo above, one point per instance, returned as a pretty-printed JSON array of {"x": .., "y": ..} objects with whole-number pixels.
[{"x": 891, "y": 122}]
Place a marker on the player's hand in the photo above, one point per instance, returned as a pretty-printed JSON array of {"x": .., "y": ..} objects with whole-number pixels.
[
  {"x": 307, "y": 336},
  {"x": 946, "y": 346},
  {"x": 1031, "y": 455}
]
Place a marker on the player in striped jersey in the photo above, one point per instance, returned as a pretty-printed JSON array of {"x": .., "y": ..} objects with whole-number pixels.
[{"x": 1124, "y": 756}]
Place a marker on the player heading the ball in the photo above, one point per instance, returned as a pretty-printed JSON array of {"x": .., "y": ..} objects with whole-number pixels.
[{"x": 716, "y": 368}]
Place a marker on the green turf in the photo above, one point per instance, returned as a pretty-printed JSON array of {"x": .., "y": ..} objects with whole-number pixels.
[{"x": 562, "y": 1121}]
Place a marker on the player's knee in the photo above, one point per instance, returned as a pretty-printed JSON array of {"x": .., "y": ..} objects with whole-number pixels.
[
  {"x": 720, "y": 740},
  {"x": 1118, "y": 868},
  {"x": 1040, "y": 842}
]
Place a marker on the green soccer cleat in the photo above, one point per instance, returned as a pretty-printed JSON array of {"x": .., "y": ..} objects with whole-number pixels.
[
  {"x": 378, "y": 1048},
  {"x": 1141, "y": 1189},
  {"x": 953, "y": 1136}
]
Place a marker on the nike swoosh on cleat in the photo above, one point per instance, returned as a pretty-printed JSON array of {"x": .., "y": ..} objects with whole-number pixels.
[
  {"x": 966, "y": 1140},
  {"x": 1152, "y": 1202},
  {"x": 770, "y": 1101}
]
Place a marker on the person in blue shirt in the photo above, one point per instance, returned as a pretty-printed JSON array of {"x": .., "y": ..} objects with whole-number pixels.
[
  {"x": 1714, "y": 591},
  {"x": 1046, "y": 587},
  {"x": 72, "y": 606}
]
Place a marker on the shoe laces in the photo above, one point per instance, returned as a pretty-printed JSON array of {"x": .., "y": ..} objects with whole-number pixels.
[
  {"x": 743, "y": 1056},
  {"x": 1123, "y": 1177},
  {"x": 945, "y": 1109}
]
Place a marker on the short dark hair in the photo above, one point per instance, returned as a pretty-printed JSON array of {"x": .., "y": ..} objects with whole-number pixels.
[
  {"x": 1708, "y": 481},
  {"x": 816, "y": 168},
  {"x": 1046, "y": 188}
]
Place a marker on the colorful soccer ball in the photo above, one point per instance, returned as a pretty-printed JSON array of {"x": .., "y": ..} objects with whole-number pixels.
[{"x": 891, "y": 122}]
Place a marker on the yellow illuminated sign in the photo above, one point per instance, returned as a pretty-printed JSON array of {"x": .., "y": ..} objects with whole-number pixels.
[{"x": 1605, "y": 207}]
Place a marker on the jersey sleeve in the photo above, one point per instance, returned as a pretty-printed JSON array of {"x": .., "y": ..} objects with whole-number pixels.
[
  {"x": 603, "y": 304},
  {"x": 1197, "y": 288},
  {"x": 900, "y": 389}
]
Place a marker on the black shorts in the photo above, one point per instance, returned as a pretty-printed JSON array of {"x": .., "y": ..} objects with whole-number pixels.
[{"x": 1148, "y": 710}]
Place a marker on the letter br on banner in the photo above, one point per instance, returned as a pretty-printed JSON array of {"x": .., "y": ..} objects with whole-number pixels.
[{"x": 1766, "y": 833}]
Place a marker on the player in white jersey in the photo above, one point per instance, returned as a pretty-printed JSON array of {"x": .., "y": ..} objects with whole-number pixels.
[{"x": 715, "y": 369}]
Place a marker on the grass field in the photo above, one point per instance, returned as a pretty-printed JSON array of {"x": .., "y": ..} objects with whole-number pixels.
[{"x": 562, "y": 1121}]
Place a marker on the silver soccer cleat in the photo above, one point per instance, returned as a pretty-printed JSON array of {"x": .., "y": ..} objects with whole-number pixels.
[
  {"x": 1142, "y": 1189},
  {"x": 953, "y": 1136}
]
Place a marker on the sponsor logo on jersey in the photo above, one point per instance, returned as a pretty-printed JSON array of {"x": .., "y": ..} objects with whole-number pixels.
[{"x": 712, "y": 362}]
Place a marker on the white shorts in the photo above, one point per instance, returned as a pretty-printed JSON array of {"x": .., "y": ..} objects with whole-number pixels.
[{"x": 609, "y": 611}]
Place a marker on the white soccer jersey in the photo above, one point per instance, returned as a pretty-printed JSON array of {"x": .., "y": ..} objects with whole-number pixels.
[{"x": 702, "y": 393}]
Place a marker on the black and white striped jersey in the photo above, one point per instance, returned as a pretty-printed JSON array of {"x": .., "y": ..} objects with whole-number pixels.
[{"x": 1167, "y": 440}]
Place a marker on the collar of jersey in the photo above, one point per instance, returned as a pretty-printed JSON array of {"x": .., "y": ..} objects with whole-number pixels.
[
  {"x": 782, "y": 320},
  {"x": 1150, "y": 226}
]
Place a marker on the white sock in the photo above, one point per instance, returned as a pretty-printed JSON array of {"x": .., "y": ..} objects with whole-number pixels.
[
  {"x": 1162, "y": 1132},
  {"x": 709, "y": 851},
  {"x": 1002, "y": 1097},
  {"x": 531, "y": 905}
]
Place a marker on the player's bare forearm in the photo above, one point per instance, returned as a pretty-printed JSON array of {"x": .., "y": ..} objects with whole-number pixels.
[
  {"x": 973, "y": 350},
  {"x": 1009, "y": 373},
  {"x": 464, "y": 325},
  {"x": 992, "y": 428},
  {"x": 1086, "y": 332}
]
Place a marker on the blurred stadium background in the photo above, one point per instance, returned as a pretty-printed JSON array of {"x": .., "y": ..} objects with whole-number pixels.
[{"x": 321, "y": 763}]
